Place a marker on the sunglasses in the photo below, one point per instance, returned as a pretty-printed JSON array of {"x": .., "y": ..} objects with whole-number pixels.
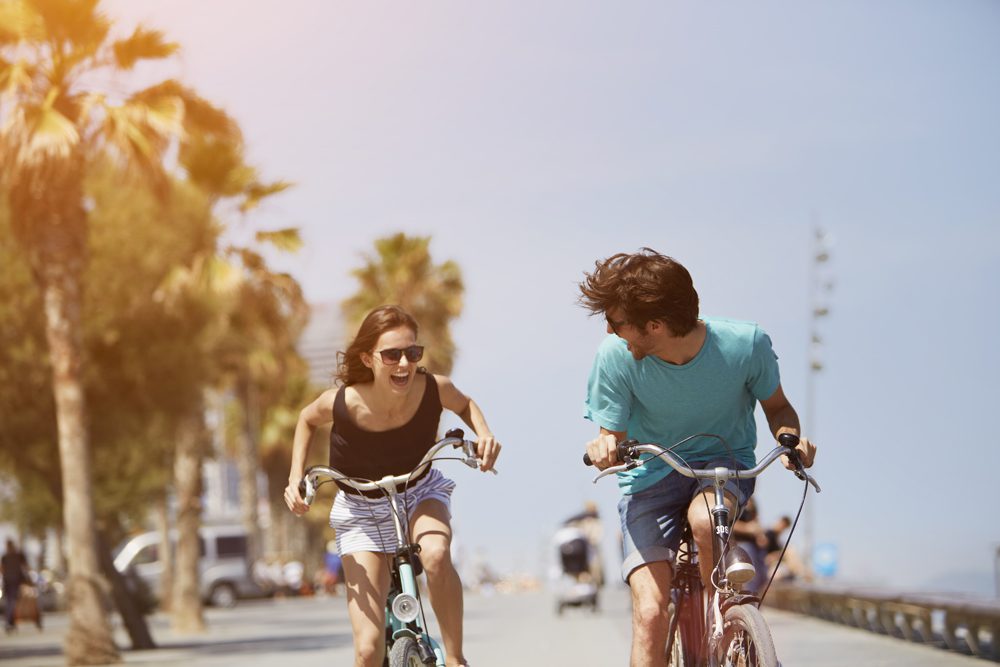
[{"x": 392, "y": 355}]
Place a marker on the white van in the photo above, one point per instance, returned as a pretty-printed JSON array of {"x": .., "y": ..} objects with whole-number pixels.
[{"x": 223, "y": 569}]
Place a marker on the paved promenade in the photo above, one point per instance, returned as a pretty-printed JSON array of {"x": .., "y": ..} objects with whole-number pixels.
[{"x": 518, "y": 630}]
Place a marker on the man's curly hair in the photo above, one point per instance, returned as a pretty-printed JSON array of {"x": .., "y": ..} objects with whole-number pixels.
[{"x": 646, "y": 286}]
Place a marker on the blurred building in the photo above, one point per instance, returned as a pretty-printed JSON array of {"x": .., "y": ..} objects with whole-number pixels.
[{"x": 318, "y": 345}]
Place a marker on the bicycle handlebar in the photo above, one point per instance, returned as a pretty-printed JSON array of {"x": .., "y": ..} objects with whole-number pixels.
[
  {"x": 454, "y": 438},
  {"x": 628, "y": 450}
]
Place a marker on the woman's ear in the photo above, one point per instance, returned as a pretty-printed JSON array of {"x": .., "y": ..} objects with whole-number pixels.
[{"x": 367, "y": 359}]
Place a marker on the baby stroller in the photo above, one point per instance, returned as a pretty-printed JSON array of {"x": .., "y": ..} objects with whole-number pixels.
[{"x": 575, "y": 586}]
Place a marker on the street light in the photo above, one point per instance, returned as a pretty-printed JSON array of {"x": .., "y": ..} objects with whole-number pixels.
[
  {"x": 996, "y": 575},
  {"x": 820, "y": 286}
]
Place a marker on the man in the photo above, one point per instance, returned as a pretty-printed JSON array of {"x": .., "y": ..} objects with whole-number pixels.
[{"x": 664, "y": 376}]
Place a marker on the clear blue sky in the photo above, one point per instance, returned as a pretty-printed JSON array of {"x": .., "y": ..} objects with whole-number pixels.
[{"x": 530, "y": 139}]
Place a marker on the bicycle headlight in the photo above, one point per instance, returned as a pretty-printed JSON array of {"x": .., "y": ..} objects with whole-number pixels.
[{"x": 405, "y": 607}]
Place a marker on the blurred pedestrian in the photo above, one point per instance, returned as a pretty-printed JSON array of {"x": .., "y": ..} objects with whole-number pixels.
[
  {"x": 15, "y": 573},
  {"x": 333, "y": 568},
  {"x": 589, "y": 521}
]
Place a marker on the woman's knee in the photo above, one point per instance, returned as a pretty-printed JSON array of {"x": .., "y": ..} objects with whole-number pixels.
[
  {"x": 369, "y": 648},
  {"x": 435, "y": 555}
]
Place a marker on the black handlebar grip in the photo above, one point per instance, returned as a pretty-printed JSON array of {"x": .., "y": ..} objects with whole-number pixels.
[
  {"x": 789, "y": 440},
  {"x": 455, "y": 433},
  {"x": 586, "y": 459}
]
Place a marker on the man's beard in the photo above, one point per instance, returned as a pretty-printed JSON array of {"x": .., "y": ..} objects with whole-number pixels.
[{"x": 638, "y": 350}]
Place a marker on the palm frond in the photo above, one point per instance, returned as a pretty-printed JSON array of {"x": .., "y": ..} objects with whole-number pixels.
[
  {"x": 288, "y": 239},
  {"x": 133, "y": 132},
  {"x": 15, "y": 77},
  {"x": 76, "y": 23},
  {"x": 19, "y": 21},
  {"x": 257, "y": 191},
  {"x": 200, "y": 116},
  {"x": 215, "y": 165},
  {"x": 253, "y": 261},
  {"x": 143, "y": 44},
  {"x": 39, "y": 132}
]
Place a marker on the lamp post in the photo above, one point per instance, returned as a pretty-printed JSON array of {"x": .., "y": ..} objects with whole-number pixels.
[
  {"x": 820, "y": 287},
  {"x": 996, "y": 576}
]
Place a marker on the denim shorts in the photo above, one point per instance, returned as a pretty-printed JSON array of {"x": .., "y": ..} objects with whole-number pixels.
[{"x": 652, "y": 520}]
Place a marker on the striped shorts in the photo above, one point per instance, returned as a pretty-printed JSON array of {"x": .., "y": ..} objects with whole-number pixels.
[{"x": 365, "y": 524}]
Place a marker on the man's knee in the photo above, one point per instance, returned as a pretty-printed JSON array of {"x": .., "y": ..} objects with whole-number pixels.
[
  {"x": 650, "y": 586},
  {"x": 649, "y": 616}
]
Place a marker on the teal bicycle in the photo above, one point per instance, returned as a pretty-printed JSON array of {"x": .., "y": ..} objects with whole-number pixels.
[{"x": 407, "y": 642}]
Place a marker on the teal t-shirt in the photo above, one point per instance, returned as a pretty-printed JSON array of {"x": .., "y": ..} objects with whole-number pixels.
[{"x": 655, "y": 401}]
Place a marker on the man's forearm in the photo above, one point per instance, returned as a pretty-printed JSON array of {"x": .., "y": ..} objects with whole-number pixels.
[{"x": 783, "y": 420}]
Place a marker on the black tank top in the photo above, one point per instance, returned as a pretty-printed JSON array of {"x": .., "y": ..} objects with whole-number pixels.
[{"x": 375, "y": 454}]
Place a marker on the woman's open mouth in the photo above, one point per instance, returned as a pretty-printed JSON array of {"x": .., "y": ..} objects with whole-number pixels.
[{"x": 399, "y": 380}]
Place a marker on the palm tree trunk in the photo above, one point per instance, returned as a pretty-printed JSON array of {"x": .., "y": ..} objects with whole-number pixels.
[
  {"x": 248, "y": 464},
  {"x": 166, "y": 553},
  {"x": 186, "y": 613},
  {"x": 88, "y": 640}
]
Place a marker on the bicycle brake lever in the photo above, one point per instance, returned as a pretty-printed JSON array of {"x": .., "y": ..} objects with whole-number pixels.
[
  {"x": 307, "y": 490},
  {"x": 801, "y": 473},
  {"x": 615, "y": 469},
  {"x": 813, "y": 482}
]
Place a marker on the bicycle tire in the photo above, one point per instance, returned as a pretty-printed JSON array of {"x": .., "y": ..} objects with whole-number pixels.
[
  {"x": 746, "y": 639},
  {"x": 676, "y": 655},
  {"x": 687, "y": 627},
  {"x": 404, "y": 653}
]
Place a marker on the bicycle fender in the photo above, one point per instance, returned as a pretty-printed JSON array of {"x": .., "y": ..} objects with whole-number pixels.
[{"x": 740, "y": 599}]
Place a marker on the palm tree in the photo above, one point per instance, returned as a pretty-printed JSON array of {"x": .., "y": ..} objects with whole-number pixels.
[
  {"x": 57, "y": 120},
  {"x": 259, "y": 355},
  {"x": 247, "y": 307},
  {"x": 402, "y": 272}
]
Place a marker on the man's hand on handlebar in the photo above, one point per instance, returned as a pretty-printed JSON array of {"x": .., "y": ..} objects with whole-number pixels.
[
  {"x": 806, "y": 454},
  {"x": 294, "y": 500},
  {"x": 603, "y": 450}
]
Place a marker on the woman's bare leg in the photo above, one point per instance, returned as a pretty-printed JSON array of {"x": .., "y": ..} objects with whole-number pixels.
[
  {"x": 431, "y": 529},
  {"x": 366, "y": 576}
]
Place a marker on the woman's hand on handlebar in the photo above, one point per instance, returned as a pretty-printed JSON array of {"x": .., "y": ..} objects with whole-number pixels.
[
  {"x": 294, "y": 500},
  {"x": 487, "y": 449},
  {"x": 603, "y": 450}
]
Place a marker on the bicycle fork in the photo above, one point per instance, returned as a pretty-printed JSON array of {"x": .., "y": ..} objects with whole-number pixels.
[{"x": 404, "y": 613}]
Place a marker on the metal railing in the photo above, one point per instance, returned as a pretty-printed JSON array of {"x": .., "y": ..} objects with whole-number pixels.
[{"x": 958, "y": 623}]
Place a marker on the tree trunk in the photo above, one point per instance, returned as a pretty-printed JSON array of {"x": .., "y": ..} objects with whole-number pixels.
[
  {"x": 88, "y": 639},
  {"x": 186, "y": 613},
  {"x": 166, "y": 554},
  {"x": 248, "y": 465}
]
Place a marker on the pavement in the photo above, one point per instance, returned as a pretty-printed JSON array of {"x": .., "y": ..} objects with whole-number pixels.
[{"x": 501, "y": 630}]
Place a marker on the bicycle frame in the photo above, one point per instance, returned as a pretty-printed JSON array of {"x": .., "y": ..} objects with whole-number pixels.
[
  {"x": 404, "y": 613},
  {"x": 687, "y": 585},
  {"x": 686, "y": 598},
  {"x": 404, "y": 582}
]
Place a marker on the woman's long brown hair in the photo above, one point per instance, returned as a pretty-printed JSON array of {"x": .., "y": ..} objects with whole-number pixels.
[{"x": 350, "y": 368}]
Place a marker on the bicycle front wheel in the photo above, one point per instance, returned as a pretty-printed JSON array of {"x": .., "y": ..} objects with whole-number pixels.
[
  {"x": 746, "y": 639},
  {"x": 686, "y": 631},
  {"x": 404, "y": 653}
]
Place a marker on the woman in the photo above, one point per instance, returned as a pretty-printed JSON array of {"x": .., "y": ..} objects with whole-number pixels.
[{"x": 385, "y": 419}]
